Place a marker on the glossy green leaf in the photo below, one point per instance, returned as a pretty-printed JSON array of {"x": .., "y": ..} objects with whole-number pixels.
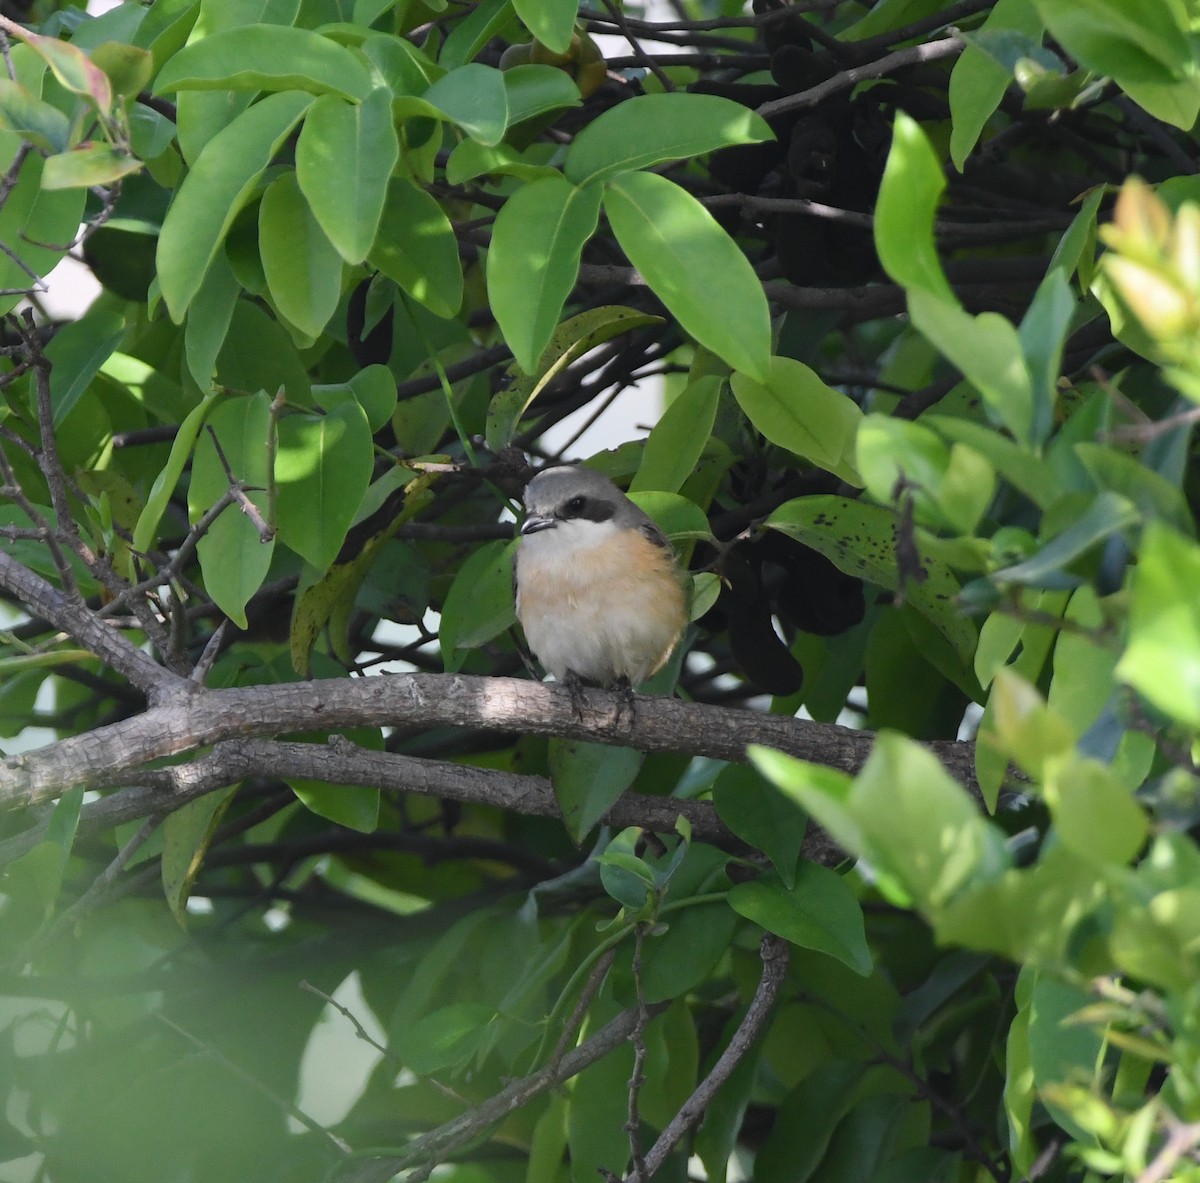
[
  {"x": 678, "y": 438},
  {"x": 534, "y": 90},
  {"x": 374, "y": 389},
  {"x": 485, "y": 20},
  {"x": 77, "y": 352},
  {"x": 217, "y": 187},
  {"x": 129, "y": 68},
  {"x": 904, "y": 214},
  {"x": 571, "y": 340},
  {"x": 344, "y": 158},
  {"x": 416, "y": 247},
  {"x": 258, "y": 354},
  {"x": 233, "y": 556},
  {"x": 401, "y": 65},
  {"x": 819, "y": 912},
  {"x": 1019, "y": 466},
  {"x": 187, "y": 833},
  {"x": 682, "y": 957},
  {"x": 479, "y": 605},
  {"x": 322, "y": 469},
  {"x": 762, "y": 816},
  {"x": 978, "y": 82},
  {"x": 209, "y": 316},
  {"x": 533, "y": 260},
  {"x": 161, "y": 491},
  {"x": 303, "y": 270},
  {"x": 551, "y": 21},
  {"x": 796, "y": 410},
  {"x": 473, "y": 96},
  {"x": 860, "y": 540},
  {"x": 266, "y": 57},
  {"x": 694, "y": 267},
  {"x": 1162, "y": 659},
  {"x": 1043, "y": 334},
  {"x": 588, "y": 778},
  {"x": 653, "y": 128}
]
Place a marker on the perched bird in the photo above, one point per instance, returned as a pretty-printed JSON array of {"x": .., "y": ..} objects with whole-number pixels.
[{"x": 598, "y": 591}]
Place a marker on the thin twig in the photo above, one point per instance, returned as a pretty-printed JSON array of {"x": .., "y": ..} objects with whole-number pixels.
[{"x": 774, "y": 953}]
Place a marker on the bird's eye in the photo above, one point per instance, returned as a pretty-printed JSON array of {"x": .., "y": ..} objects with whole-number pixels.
[{"x": 576, "y": 504}]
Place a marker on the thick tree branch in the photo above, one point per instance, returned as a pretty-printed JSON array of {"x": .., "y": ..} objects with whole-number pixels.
[{"x": 109, "y": 755}]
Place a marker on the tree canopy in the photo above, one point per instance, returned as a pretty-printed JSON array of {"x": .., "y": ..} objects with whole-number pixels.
[{"x": 893, "y": 877}]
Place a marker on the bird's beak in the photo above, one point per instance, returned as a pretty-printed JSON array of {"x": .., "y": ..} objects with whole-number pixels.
[{"x": 535, "y": 522}]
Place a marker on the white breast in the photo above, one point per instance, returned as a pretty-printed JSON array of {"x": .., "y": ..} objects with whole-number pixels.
[{"x": 601, "y": 601}]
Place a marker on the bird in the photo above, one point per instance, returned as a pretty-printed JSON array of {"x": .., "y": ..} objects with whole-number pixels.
[{"x": 598, "y": 590}]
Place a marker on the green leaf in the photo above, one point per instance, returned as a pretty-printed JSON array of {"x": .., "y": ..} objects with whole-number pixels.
[
  {"x": 653, "y": 128},
  {"x": 796, "y": 410},
  {"x": 129, "y": 68},
  {"x": 533, "y": 260},
  {"x": 534, "y": 90},
  {"x": 1042, "y": 335},
  {"x": 1019, "y": 466},
  {"x": 344, "y": 158},
  {"x": 444, "y": 1040},
  {"x": 36, "y": 225},
  {"x": 1095, "y": 815},
  {"x": 353, "y": 806},
  {"x": 588, "y": 778},
  {"x": 485, "y": 20},
  {"x": 257, "y": 354},
  {"x": 266, "y": 57},
  {"x": 904, "y": 214},
  {"x": 678, "y": 438},
  {"x": 233, "y": 558},
  {"x": 697, "y": 937},
  {"x": 1108, "y": 514},
  {"x": 987, "y": 349},
  {"x": 948, "y": 486},
  {"x": 1162, "y": 659},
  {"x": 762, "y": 816},
  {"x": 694, "y": 267},
  {"x": 571, "y": 340},
  {"x": 552, "y": 22},
  {"x": 219, "y": 184},
  {"x": 76, "y": 353},
  {"x": 373, "y": 389},
  {"x": 161, "y": 491},
  {"x": 322, "y": 469},
  {"x": 860, "y": 540},
  {"x": 978, "y": 81},
  {"x": 416, "y": 247},
  {"x": 473, "y": 96},
  {"x": 70, "y": 65},
  {"x": 820, "y": 913},
  {"x": 303, "y": 270},
  {"x": 187, "y": 833},
  {"x": 208, "y": 320},
  {"x": 28, "y": 116},
  {"x": 479, "y": 605}
]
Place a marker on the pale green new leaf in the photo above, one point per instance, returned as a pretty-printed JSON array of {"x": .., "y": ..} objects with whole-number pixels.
[
  {"x": 694, "y": 267},
  {"x": 796, "y": 410},
  {"x": 533, "y": 260}
]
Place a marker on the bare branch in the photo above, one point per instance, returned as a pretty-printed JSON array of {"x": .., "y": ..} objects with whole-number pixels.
[{"x": 109, "y": 755}]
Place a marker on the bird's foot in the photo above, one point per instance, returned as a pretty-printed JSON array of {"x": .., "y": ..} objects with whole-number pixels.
[
  {"x": 626, "y": 702},
  {"x": 575, "y": 688}
]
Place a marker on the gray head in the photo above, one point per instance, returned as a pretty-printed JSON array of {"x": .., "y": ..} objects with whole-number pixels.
[{"x": 566, "y": 493}]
